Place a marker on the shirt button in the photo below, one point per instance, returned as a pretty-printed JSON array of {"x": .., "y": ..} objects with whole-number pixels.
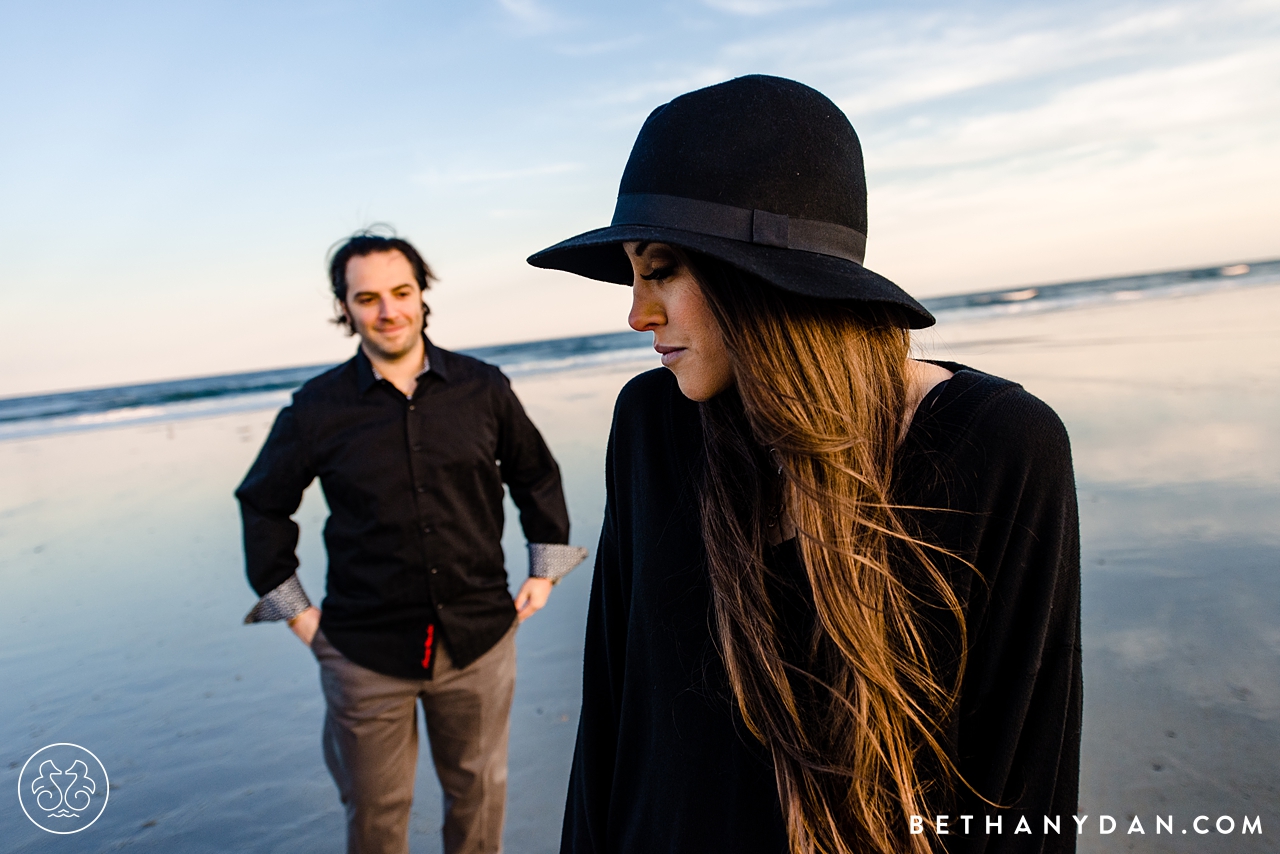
[
  {"x": 426, "y": 529},
  {"x": 417, "y": 447},
  {"x": 440, "y": 607},
  {"x": 411, "y": 407},
  {"x": 422, "y": 489},
  {"x": 433, "y": 570}
]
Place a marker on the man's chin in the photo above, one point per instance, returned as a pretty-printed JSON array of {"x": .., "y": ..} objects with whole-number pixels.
[{"x": 390, "y": 351}]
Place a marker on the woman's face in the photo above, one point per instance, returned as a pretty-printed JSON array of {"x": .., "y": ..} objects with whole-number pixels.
[{"x": 667, "y": 301}]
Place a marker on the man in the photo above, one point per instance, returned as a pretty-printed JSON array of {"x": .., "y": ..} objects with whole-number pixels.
[{"x": 412, "y": 445}]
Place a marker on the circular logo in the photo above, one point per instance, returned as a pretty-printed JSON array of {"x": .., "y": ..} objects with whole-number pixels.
[{"x": 63, "y": 788}]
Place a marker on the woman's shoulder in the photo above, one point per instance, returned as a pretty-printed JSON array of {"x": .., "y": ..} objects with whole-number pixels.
[
  {"x": 652, "y": 397},
  {"x": 980, "y": 412},
  {"x": 652, "y": 415},
  {"x": 647, "y": 388}
]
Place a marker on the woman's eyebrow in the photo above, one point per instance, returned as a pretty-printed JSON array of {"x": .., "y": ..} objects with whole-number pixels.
[{"x": 640, "y": 247}]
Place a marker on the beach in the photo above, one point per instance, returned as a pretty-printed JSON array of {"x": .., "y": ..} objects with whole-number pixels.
[
  {"x": 1174, "y": 416},
  {"x": 124, "y": 591}
]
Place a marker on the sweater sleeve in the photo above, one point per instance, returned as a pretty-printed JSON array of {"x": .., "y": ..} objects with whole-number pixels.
[
  {"x": 586, "y": 814},
  {"x": 1020, "y": 711}
]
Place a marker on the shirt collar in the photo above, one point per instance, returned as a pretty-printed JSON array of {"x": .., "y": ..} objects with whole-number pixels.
[{"x": 432, "y": 362}]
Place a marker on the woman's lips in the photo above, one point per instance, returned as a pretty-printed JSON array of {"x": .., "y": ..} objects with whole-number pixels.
[{"x": 669, "y": 354}]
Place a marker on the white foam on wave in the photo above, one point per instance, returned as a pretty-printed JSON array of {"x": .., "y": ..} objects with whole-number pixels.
[
  {"x": 222, "y": 395},
  {"x": 137, "y": 415}
]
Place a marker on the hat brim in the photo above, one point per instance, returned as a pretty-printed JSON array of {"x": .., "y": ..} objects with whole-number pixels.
[{"x": 599, "y": 255}]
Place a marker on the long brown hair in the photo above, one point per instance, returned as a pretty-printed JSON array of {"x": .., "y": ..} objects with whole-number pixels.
[{"x": 852, "y": 714}]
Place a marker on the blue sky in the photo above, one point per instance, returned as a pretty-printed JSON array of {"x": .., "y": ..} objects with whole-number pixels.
[{"x": 171, "y": 175}]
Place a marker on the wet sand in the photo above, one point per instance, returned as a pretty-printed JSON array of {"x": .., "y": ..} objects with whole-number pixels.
[
  {"x": 123, "y": 593},
  {"x": 1173, "y": 407}
]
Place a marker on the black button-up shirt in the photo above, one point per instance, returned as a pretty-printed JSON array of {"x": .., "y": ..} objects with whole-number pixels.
[{"x": 414, "y": 487}]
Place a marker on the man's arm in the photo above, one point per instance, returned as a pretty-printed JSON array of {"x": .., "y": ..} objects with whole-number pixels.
[
  {"x": 533, "y": 477},
  {"x": 269, "y": 496}
]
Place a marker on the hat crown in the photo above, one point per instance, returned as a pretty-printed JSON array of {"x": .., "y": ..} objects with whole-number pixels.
[{"x": 756, "y": 142}]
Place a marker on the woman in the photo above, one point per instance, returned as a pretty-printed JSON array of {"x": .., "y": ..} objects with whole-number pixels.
[{"x": 836, "y": 600}]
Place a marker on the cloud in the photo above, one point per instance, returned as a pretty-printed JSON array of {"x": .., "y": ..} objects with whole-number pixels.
[
  {"x": 530, "y": 13},
  {"x": 599, "y": 47},
  {"x": 755, "y": 8},
  {"x": 489, "y": 176},
  {"x": 650, "y": 92},
  {"x": 1123, "y": 113},
  {"x": 878, "y": 62}
]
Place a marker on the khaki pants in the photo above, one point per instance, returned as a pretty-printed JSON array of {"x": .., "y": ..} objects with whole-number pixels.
[{"x": 371, "y": 746}]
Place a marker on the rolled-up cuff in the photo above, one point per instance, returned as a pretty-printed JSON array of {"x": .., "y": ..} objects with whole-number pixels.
[
  {"x": 553, "y": 561},
  {"x": 285, "y": 602}
]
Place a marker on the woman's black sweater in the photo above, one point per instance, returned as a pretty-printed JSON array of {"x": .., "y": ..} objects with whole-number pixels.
[{"x": 663, "y": 762}]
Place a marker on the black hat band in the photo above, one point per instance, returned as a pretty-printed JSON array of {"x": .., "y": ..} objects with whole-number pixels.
[{"x": 744, "y": 224}]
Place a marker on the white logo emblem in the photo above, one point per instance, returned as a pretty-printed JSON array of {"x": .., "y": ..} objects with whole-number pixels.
[{"x": 63, "y": 788}]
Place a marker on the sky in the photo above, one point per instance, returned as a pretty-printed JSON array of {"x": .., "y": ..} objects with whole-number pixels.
[{"x": 173, "y": 174}]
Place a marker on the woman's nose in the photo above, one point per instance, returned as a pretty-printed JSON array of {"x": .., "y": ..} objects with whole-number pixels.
[{"x": 646, "y": 313}]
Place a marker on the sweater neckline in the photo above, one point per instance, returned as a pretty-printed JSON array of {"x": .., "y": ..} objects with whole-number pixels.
[{"x": 953, "y": 410}]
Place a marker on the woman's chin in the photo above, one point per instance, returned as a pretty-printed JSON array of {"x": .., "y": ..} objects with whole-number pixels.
[{"x": 700, "y": 388}]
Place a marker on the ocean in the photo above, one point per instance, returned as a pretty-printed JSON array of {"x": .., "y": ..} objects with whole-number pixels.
[{"x": 203, "y": 396}]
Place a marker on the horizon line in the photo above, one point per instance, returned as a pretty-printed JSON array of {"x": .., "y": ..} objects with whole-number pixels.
[{"x": 1006, "y": 298}]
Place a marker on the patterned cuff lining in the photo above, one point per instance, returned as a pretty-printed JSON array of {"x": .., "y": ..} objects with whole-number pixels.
[
  {"x": 287, "y": 601},
  {"x": 553, "y": 561}
]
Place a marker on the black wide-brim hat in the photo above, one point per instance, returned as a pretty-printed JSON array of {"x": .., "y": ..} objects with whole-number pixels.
[{"x": 761, "y": 172}]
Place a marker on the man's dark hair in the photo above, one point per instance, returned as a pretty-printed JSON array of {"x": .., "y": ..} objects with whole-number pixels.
[{"x": 367, "y": 242}]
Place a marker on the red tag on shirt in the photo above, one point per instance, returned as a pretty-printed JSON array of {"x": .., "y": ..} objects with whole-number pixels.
[{"x": 426, "y": 647}]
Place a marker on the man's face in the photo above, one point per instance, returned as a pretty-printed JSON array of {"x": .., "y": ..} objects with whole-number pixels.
[{"x": 384, "y": 303}]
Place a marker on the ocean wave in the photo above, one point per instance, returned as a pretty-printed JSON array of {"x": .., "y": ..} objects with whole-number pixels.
[
  {"x": 1065, "y": 295},
  {"x": 202, "y": 396}
]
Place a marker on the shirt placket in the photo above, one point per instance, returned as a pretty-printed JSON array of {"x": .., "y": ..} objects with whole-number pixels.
[{"x": 418, "y": 469}]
